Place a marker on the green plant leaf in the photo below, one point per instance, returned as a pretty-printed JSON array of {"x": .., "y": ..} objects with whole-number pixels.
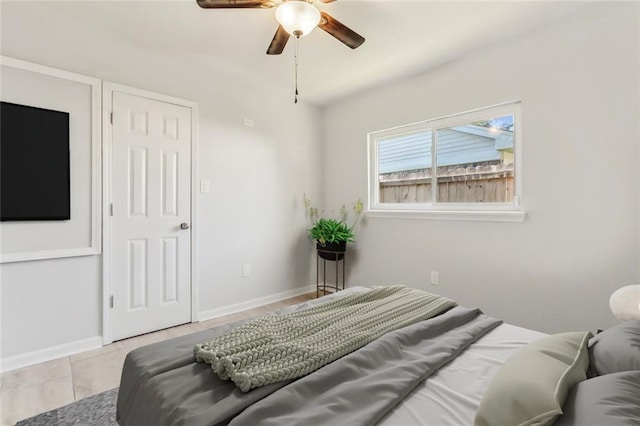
[{"x": 331, "y": 231}]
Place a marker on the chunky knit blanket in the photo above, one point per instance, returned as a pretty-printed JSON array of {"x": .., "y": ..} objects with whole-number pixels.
[{"x": 274, "y": 348}]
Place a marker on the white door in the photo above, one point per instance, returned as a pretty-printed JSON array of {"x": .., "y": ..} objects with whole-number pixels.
[{"x": 150, "y": 232}]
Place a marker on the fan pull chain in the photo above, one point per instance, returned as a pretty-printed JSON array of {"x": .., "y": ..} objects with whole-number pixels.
[{"x": 295, "y": 57}]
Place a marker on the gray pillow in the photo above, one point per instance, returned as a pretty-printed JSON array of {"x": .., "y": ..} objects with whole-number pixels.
[
  {"x": 531, "y": 386},
  {"x": 615, "y": 349},
  {"x": 612, "y": 400}
]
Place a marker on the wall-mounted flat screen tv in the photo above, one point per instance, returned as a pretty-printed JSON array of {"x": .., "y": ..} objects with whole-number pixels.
[{"x": 34, "y": 163}]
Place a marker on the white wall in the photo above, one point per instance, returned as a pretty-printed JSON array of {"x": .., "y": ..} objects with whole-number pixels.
[
  {"x": 253, "y": 213},
  {"x": 579, "y": 86}
]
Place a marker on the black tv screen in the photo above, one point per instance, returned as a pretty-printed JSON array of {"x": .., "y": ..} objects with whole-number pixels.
[{"x": 34, "y": 163}]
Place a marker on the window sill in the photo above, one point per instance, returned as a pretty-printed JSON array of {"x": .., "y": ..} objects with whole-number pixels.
[{"x": 473, "y": 215}]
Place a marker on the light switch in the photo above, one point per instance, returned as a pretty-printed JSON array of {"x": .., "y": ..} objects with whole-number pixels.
[{"x": 204, "y": 186}]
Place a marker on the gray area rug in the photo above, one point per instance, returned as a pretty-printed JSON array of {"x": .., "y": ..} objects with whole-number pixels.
[{"x": 95, "y": 410}]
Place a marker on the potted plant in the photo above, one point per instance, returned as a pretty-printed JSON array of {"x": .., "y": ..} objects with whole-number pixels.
[{"x": 331, "y": 234}]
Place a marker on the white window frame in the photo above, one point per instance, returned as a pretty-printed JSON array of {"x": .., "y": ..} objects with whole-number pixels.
[{"x": 502, "y": 212}]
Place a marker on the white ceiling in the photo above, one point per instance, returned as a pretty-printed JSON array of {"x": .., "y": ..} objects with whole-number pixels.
[{"x": 402, "y": 37}]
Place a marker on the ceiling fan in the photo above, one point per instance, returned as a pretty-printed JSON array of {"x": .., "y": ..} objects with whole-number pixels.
[{"x": 295, "y": 17}]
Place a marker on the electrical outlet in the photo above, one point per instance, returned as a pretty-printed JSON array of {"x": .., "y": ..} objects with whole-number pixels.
[
  {"x": 246, "y": 270},
  {"x": 435, "y": 278}
]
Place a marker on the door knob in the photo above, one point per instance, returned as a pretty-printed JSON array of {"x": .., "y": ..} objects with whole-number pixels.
[{"x": 184, "y": 225}]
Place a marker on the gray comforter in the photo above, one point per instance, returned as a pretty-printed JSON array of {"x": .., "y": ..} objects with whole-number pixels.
[{"x": 162, "y": 384}]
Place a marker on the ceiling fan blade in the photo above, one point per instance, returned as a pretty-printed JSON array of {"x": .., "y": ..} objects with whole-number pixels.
[
  {"x": 235, "y": 4},
  {"x": 327, "y": 1},
  {"x": 279, "y": 41},
  {"x": 340, "y": 31}
]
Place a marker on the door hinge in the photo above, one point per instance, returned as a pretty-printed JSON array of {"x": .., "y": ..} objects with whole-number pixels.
[
  {"x": 111, "y": 209},
  {"x": 111, "y": 118},
  {"x": 111, "y": 301}
]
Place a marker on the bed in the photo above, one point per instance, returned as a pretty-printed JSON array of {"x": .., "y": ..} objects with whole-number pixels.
[{"x": 460, "y": 367}]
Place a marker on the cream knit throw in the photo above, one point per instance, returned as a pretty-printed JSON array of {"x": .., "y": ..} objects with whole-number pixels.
[{"x": 281, "y": 347}]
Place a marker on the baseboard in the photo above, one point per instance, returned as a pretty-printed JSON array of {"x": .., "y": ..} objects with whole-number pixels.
[
  {"x": 42, "y": 355},
  {"x": 253, "y": 303}
]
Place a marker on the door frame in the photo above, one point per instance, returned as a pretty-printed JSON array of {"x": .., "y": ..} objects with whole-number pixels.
[{"x": 107, "y": 107}]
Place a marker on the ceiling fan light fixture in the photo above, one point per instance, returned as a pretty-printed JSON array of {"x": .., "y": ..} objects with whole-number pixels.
[{"x": 298, "y": 17}]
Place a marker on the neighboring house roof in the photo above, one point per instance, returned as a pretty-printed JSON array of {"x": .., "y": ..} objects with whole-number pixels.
[{"x": 456, "y": 145}]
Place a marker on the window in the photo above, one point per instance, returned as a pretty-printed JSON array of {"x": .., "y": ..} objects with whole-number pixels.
[{"x": 463, "y": 166}]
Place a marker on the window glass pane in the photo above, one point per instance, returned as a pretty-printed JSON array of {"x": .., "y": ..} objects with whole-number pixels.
[
  {"x": 476, "y": 162},
  {"x": 404, "y": 168}
]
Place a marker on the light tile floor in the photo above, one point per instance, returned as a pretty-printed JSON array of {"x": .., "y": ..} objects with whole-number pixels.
[{"x": 43, "y": 387}]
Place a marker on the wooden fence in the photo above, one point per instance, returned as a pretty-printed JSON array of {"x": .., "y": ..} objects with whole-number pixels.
[{"x": 487, "y": 183}]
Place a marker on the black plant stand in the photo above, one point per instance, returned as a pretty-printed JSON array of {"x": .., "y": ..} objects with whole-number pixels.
[{"x": 337, "y": 260}]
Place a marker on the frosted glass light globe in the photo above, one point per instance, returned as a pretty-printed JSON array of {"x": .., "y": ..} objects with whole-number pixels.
[
  {"x": 625, "y": 303},
  {"x": 298, "y": 17}
]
